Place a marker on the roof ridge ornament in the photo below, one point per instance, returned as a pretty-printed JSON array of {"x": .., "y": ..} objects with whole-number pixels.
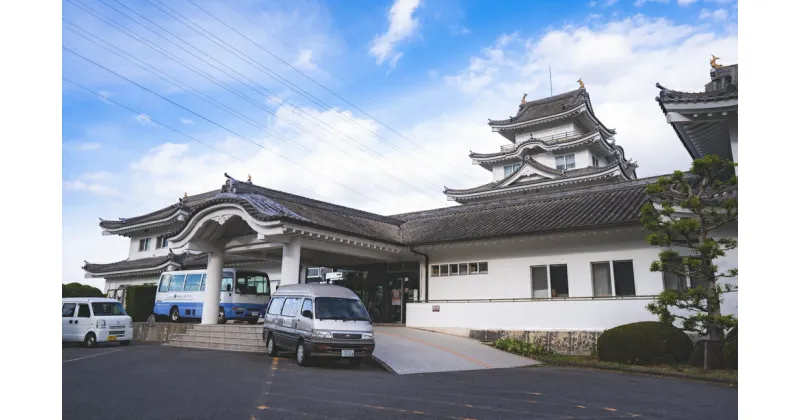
[
  {"x": 230, "y": 184},
  {"x": 580, "y": 82},
  {"x": 524, "y": 95},
  {"x": 714, "y": 63},
  {"x": 249, "y": 179}
]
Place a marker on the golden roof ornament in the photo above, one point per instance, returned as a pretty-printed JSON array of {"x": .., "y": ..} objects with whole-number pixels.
[
  {"x": 249, "y": 178},
  {"x": 714, "y": 63},
  {"x": 185, "y": 196},
  {"x": 524, "y": 95},
  {"x": 580, "y": 82}
]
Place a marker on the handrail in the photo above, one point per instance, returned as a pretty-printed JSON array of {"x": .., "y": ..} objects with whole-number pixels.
[{"x": 558, "y": 136}]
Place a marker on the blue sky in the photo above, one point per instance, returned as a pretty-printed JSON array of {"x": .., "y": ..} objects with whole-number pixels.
[{"x": 433, "y": 71}]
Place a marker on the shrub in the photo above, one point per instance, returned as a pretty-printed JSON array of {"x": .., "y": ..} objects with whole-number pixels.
[
  {"x": 644, "y": 343},
  {"x": 139, "y": 301},
  {"x": 522, "y": 348},
  {"x": 732, "y": 349},
  {"x": 76, "y": 289}
]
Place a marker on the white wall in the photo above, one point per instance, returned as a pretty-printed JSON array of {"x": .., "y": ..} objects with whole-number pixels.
[
  {"x": 541, "y": 315},
  {"x": 544, "y": 131},
  {"x": 112, "y": 284},
  {"x": 133, "y": 249}
]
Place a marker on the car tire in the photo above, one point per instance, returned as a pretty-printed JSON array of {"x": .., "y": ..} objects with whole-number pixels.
[
  {"x": 175, "y": 314},
  {"x": 125, "y": 343},
  {"x": 355, "y": 362},
  {"x": 90, "y": 340},
  {"x": 221, "y": 319},
  {"x": 272, "y": 348},
  {"x": 301, "y": 357}
]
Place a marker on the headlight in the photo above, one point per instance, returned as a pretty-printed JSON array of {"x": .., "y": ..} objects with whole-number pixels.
[
  {"x": 101, "y": 323},
  {"x": 366, "y": 336},
  {"x": 321, "y": 334}
]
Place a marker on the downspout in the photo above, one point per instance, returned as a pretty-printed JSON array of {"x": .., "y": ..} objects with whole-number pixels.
[{"x": 427, "y": 275}]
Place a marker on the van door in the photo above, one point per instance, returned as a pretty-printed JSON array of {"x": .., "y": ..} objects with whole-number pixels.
[
  {"x": 305, "y": 324},
  {"x": 83, "y": 322},
  {"x": 288, "y": 323},
  {"x": 67, "y": 321}
]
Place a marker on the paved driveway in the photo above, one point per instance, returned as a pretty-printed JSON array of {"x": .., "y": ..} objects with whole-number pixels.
[{"x": 158, "y": 382}]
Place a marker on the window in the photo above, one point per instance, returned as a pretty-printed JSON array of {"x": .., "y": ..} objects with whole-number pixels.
[
  {"x": 340, "y": 308},
  {"x": 164, "y": 283},
  {"x": 162, "y": 242},
  {"x": 307, "y": 306},
  {"x": 193, "y": 283},
  {"x": 549, "y": 281},
  {"x": 275, "y": 306},
  {"x": 565, "y": 162},
  {"x": 176, "y": 283},
  {"x": 435, "y": 271},
  {"x": 677, "y": 282},
  {"x": 83, "y": 311},
  {"x": 227, "y": 280},
  {"x": 108, "y": 309},
  {"x": 483, "y": 268},
  {"x": 622, "y": 273},
  {"x": 444, "y": 270},
  {"x": 252, "y": 284},
  {"x": 144, "y": 244},
  {"x": 595, "y": 161},
  {"x": 453, "y": 269},
  {"x": 462, "y": 269},
  {"x": 68, "y": 310},
  {"x": 459, "y": 269},
  {"x": 290, "y": 307},
  {"x": 473, "y": 268},
  {"x": 510, "y": 169}
]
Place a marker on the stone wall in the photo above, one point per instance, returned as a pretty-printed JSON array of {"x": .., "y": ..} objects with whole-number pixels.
[
  {"x": 158, "y": 332},
  {"x": 561, "y": 342}
]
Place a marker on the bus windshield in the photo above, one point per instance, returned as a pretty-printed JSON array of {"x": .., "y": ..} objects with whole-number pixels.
[
  {"x": 252, "y": 283},
  {"x": 340, "y": 308},
  {"x": 108, "y": 309}
]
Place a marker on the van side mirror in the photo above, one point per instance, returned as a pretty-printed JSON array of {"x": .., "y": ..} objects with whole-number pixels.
[
  {"x": 228, "y": 287},
  {"x": 307, "y": 313}
]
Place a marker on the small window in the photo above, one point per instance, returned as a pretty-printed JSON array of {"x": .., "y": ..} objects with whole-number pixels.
[
  {"x": 307, "y": 307},
  {"x": 624, "y": 285},
  {"x": 176, "y": 283},
  {"x": 227, "y": 280},
  {"x": 164, "y": 287},
  {"x": 453, "y": 269},
  {"x": 68, "y": 310},
  {"x": 674, "y": 281},
  {"x": 462, "y": 269},
  {"x": 565, "y": 162},
  {"x": 444, "y": 270},
  {"x": 290, "y": 307},
  {"x": 193, "y": 283},
  {"x": 162, "y": 242},
  {"x": 510, "y": 169},
  {"x": 473, "y": 268},
  {"x": 595, "y": 162},
  {"x": 483, "y": 268},
  {"x": 559, "y": 282},
  {"x": 601, "y": 279},
  {"x": 275, "y": 306},
  {"x": 83, "y": 311},
  {"x": 539, "y": 283},
  {"x": 434, "y": 271},
  {"x": 144, "y": 244}
]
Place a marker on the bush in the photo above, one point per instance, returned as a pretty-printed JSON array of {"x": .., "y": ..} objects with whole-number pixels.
[
  {"x": 522, "y": 348},
  {"x": 644, "y": 343},
  {"x": 76, "y": 289},
  {"x": 139, "y": 301},
  {"x": 732, "y": 349}
]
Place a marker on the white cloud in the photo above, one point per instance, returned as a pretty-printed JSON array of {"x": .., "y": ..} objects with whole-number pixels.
[
  {"x": 82, "y": 146},
  {"x": 639, "y": 3},
  {"x": 460, "y": 30},
  {"x": 609, "y": 3},
  {"x": 94, "y": 188},
  {"x": 143, "y": 119},
  {"x": 303, "y": 60},
  {"x": 402, "y": 25},
  {"x": 186, "y": 121},
  {"x": 686, "y": 2},
  {"x": 718, "y": 15}
]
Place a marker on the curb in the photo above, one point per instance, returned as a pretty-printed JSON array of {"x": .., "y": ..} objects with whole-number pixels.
[
  {"x": 384, "y": 366},
  {"x": 642, "y": 372}
]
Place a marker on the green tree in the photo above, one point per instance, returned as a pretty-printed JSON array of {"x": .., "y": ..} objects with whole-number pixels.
[
  {"x": 76, "y": 289},
  {"x": 684, "y": 212}
]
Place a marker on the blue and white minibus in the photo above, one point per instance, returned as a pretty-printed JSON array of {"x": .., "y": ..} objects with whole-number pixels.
[{"x": 243, "y": 295}]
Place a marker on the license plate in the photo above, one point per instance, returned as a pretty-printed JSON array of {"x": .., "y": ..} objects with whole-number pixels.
[
  {"x": 348, "y": 353},
  {"x": 112, "y": 338},
  {"x": 254, "y": 313}
]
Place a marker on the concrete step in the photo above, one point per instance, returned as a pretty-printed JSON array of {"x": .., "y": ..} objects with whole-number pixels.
[
  {"x": 212, "y": 340},
  {"x": 221, "y": 346},
  {"x": 245, "y": 338},
  {"x": 223, "y": 335}
]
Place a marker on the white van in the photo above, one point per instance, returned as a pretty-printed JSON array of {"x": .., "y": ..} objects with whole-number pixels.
[
  {"x": 318, "y": 321},
  {"x": 95, "y": 320}
]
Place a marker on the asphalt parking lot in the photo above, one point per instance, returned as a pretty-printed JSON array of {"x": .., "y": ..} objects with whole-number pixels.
[{"x": 150, "y": 381}]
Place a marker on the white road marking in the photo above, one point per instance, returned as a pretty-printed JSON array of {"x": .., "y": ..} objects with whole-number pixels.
[{"x": 94, "y": 355}]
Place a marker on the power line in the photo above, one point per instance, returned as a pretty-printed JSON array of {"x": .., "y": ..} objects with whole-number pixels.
[
  {"x": 224, "y": 107},
  {"x": 151, "y": 45},
  {"x": 220, "y": 125}
]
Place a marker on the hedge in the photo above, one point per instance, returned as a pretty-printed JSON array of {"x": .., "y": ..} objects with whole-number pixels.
[
  {"x": 644, "y": 343},
  {"x": 139, "y": 301},
  {"x": 76, "y": 289},
  {"x": 732, "y": 348}
]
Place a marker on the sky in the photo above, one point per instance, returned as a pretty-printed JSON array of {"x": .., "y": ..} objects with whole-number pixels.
[{"x": 373, "y": 105}]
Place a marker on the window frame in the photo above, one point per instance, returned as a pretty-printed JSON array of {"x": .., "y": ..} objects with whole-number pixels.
[
  {"x": 687, "y": 280},
  {"x": 186, "y": 282},
  {"x": 613, "y": 277},
  {"x": 78, "y": 310},
  {"x": 510, "y": 169},
  {"x": 566, "y": 165},
  {"x": 74, "y": 309},
  {"x": 295, "y": 309},
  {"x": 273, "y": 301},
  {"x": 548, "y": 272},
  {"x": 183, "y": 284},
  {"x": 595, "y": 161},
  {"x": 435, "y": 270}
]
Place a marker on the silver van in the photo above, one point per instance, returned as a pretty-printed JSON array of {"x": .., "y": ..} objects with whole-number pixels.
[{"x": 318, "y": 321}]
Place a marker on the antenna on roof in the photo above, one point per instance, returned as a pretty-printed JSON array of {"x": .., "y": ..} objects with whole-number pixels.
[{"x": 551, "y": 80}]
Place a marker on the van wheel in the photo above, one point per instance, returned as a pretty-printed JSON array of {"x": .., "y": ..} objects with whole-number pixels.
[
  {"x": 221, "y": 319},
  {"x": 272, "y": 350},
  {"x": 174, "y": 314},
  {"x": 300, "y": 354},
  {"x": 90, "y": 340}
]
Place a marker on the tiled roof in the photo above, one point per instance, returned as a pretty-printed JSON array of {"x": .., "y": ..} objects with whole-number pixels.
[
  {"x": 724, "y": 85},
  {"x": 613, "y": 204},
  {"x": 545, "y": 107},
  {"x": 182, "y": 260},
  {"x": 535, "y": 141},
  {"x": 185, "y": 204}
]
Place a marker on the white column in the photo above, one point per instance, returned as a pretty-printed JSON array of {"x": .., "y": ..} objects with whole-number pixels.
[
  {"x": 213, "y": 284},
  {"x": 290, "y": 264},
  {"x": 303, "y": 274}
]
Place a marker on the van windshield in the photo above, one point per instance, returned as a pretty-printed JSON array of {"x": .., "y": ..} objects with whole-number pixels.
[
  {"x": 340, "y": 308},
  {"x": 108, "y": 309}
]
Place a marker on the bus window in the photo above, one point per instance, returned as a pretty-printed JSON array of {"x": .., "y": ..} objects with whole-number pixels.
[
  {"x": 164, "y": 283},
  {"x": 252, "y": 284},
  {"x": 176, "y": 283},
  {"x": 227, "y": 280},
  {"x": 193, "y": 283}
]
